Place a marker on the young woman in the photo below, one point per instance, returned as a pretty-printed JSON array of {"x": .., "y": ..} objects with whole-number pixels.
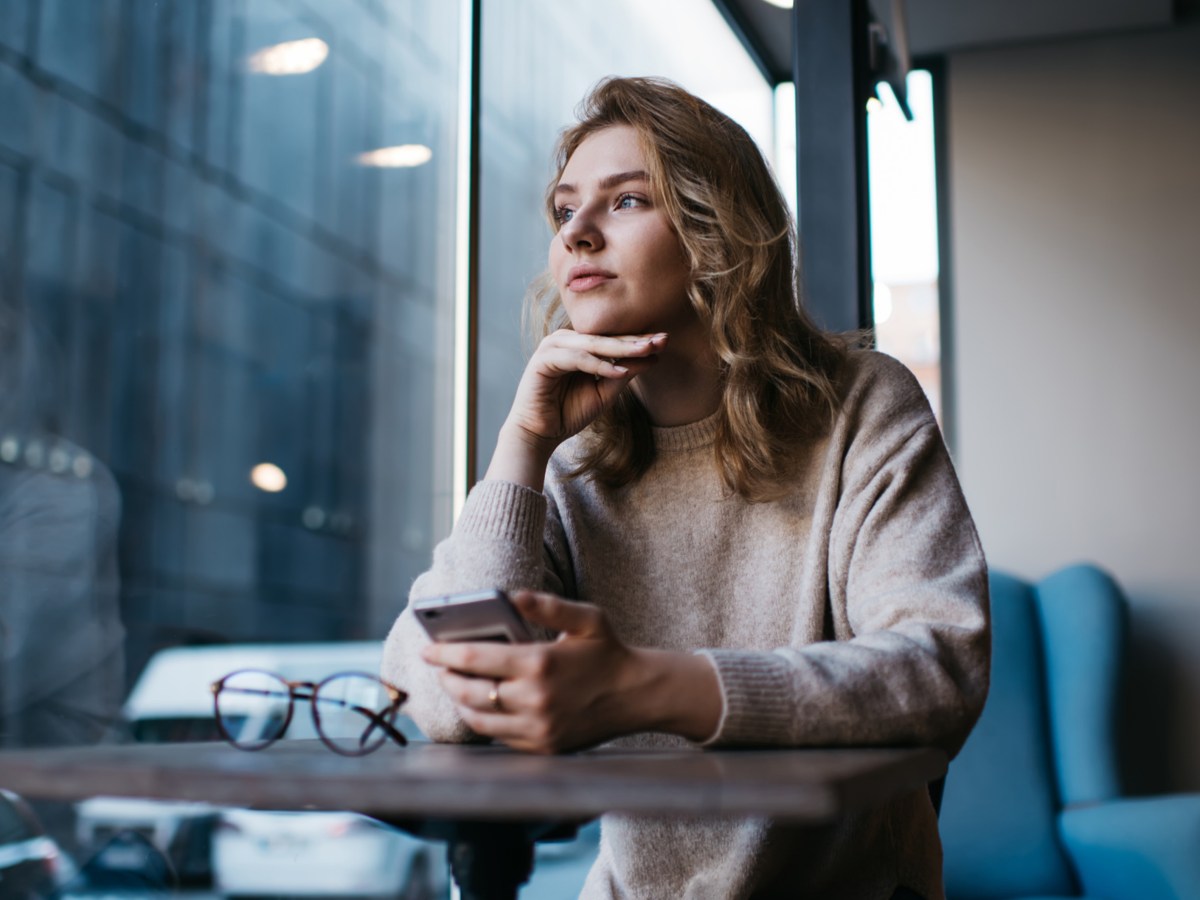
[{"x": 743, "y": 531}]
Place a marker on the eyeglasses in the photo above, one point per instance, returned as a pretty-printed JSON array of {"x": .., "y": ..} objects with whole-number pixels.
[{"x": 353, "y": 712}]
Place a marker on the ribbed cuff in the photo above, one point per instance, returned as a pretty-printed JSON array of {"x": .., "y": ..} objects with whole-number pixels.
[
  {"x": 756, "y": 697},
  {"x": 504, "y": 510}
]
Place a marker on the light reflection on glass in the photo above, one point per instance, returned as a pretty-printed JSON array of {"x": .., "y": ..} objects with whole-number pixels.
[
  {"x": 404, "y": 156},
  {"x": 290, "y": 58},
  {"x": 268, "y": 477}
]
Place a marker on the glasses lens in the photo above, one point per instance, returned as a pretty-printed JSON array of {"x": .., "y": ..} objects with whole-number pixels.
[
  {"x": 252, "y": 708},
  {"x": 349, "y": 708}
]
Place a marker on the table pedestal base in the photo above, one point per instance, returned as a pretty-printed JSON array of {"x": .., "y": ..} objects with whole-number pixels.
[
  {"x": 489, "y": 860},
  {"x": 490, "y": 866}
]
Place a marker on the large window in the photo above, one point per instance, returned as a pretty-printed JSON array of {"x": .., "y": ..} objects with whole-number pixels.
[
  {"x": 904, "y": 233},
  {"x": 226, "y": 265}
]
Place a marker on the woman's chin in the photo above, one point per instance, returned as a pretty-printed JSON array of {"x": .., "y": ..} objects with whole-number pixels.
[{"x": 605, "y": 326}]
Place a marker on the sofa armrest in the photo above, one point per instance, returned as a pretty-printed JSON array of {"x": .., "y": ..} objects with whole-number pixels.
[{"x": 1137, "y": 848}]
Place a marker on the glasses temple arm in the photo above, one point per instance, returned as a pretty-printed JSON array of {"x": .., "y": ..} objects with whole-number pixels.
[{"x": 378, "y": 720}]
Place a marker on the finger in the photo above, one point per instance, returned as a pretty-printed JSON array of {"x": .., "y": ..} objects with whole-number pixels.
[
  {"x": 471, "y": 692},
  {"x": 610, "y": 386},
  {"x": 569, "y": 360},
  {"x": 521, "y": 732},
  {"x": 610, "y": 346},
  {"x": 558, "y": 614},
  {"x": 566, "y": 361},
  {"x": 512, "y": 730},
  {"x": 506, "y": 724},
  {"x": 635, "y": 366},
  {"x": 524, "y": 733},
  {"x": 482, "y": 659}
]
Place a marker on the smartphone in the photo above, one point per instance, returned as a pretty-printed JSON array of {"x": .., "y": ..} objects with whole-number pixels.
[{"x": 474, "y": 616}]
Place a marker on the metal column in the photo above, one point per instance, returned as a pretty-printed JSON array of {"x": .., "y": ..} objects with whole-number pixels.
[{"x": 832, "y": 75}]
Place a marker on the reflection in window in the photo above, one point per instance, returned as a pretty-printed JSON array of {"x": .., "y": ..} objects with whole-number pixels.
[
  {"x": 226, "y": 266},
  {"x": 176, "y": 730},
  {"x": 904, "y": 236}
]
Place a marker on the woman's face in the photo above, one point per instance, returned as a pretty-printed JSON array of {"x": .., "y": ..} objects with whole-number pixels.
[{"x": 616, "y": 260}]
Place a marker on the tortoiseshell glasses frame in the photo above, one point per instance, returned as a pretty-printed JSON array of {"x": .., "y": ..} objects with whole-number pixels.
[{"x": 353, "y": 712}]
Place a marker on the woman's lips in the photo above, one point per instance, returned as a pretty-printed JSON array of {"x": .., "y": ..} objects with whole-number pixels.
[
  {"x": 584, "y": 278},
  {"x": 587, "y": 282}
]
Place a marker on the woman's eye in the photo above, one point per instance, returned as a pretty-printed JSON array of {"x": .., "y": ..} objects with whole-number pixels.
[
  {"x": 562, "y": 214},
  {"x": 629, "y": 201}
]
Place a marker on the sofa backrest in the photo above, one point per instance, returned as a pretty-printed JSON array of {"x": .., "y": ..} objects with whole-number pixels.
[
  {"x": 1083, "y": 618},
  {"x": 999, "y": 811}
]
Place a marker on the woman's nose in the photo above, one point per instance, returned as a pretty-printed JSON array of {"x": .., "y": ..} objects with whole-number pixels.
[{"x": 582, "y": 232}]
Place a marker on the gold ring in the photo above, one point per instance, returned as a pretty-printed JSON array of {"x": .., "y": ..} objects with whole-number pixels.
[{"x": 494, "y": 696}]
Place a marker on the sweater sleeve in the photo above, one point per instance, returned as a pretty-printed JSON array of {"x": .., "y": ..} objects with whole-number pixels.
[
  {"x": 907, "y": 599},
  {"x": 497, "y": 542}
]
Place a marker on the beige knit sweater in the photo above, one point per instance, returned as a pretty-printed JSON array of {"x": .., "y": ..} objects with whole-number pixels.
[{"x": 852, "y": 612}]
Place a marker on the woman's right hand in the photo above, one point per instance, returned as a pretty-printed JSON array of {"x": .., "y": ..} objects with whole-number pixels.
[{"x": 570, "y": 379}]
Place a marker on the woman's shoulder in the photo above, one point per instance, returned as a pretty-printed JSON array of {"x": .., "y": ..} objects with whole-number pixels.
[
  {"x": 882, "y": 403},
  {"x": 872, "y": 380}
]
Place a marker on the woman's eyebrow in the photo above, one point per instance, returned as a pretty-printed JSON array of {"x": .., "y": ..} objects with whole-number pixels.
[{"x": 609, "y": 181}]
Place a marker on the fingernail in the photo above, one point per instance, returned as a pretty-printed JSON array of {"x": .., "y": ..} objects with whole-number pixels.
[{"x": 620, "y": 369}]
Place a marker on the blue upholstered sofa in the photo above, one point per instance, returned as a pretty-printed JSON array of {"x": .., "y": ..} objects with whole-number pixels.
[{"x": 1032, "y": 807}]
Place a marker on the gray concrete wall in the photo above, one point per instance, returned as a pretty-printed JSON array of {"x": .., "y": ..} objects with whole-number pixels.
[{"x": 1075, "y": 180}]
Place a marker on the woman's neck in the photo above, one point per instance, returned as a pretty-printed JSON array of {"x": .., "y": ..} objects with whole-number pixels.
[{"x": 684, "y": 387}]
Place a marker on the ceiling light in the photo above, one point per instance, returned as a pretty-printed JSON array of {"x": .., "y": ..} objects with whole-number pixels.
[
  {"x": 291, "y": 58},
  {"x": 782, "y": 4},
  {"x": 404, "y": 156}
]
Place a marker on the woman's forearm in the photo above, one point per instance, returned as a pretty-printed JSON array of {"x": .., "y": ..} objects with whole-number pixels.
[
  {"x": 519, "y": 458},
  {"x": 673, "y": 692}
]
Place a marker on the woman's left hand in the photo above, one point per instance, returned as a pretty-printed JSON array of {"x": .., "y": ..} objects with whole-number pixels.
[{"x": 573, "y": 692}]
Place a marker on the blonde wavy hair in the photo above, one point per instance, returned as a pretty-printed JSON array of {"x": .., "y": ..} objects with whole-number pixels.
[{"x": 778, "y": 368}]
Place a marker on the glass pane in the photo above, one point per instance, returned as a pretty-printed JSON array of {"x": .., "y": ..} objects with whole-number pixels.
[
  {"x": 179, "y": 729},
  {"x": 253, "y": 708},
  {"x": 904, "y": 236},
  {"x": 539, "y": 59},
  {"x": 349, "y": 709},
  {"x": 226, "y": 341}
]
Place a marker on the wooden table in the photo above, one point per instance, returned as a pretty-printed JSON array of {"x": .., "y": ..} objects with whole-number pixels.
[{"x": 490, "y": 803}]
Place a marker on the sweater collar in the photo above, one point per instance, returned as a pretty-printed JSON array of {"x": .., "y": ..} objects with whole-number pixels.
[{"x": 692, "y": 436}]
